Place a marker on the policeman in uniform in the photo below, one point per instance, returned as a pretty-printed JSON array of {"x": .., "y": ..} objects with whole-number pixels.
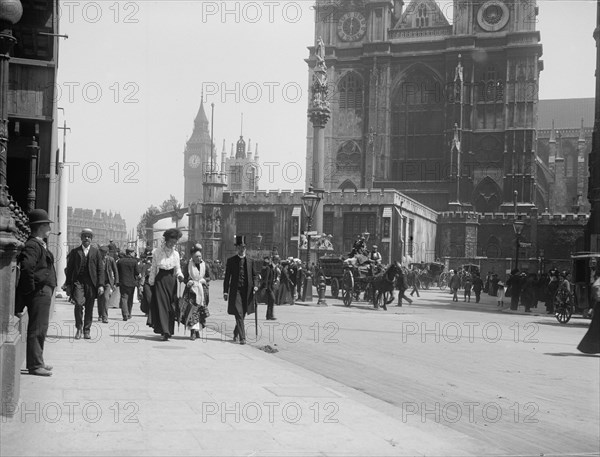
[{"x": 36, "y": 288}]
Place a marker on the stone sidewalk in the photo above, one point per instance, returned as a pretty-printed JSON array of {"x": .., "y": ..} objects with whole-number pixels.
[{"x": 125, "y": 392}]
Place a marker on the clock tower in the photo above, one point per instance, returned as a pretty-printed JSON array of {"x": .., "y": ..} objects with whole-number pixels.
[{"x": 197, "y": 158}]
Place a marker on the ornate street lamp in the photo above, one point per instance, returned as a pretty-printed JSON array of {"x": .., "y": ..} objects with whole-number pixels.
[
  {"x": 518, "y": 226},
  {"x": 310, "y": 202}
]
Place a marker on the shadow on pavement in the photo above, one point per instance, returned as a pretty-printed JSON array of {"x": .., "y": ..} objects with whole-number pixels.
[{"x": 571, "y": 354}]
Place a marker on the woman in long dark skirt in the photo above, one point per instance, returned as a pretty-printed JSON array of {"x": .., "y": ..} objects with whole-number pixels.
[
  {"x": 590, "y": 344},
  {"x": 164, "y": 274}
]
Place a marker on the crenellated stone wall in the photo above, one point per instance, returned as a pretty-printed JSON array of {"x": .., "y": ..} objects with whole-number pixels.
[{"x": 546, "y": 238}]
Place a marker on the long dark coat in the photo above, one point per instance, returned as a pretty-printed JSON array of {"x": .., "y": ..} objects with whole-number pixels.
[
  {"x": 37, "y": 271},
  {"x": 230, "y": 283}
]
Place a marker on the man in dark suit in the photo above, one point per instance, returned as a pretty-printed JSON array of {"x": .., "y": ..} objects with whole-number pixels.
[
  {"x": 84, "y": 282},
  {"x": 129, "y": 273},
  {"x": 267, "y": 275},
  {"x": 111, "y": 277},
  {"x": 35, "y": 289},
  {"x": 240, "y": 283}
]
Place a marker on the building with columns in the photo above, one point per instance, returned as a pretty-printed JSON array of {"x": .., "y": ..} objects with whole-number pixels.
[{"x": 28, "y": 161}]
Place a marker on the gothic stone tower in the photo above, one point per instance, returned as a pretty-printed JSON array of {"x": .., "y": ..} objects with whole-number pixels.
[
  {"x": 445, "y": 113},
  {"x": 197, "y": 158}
]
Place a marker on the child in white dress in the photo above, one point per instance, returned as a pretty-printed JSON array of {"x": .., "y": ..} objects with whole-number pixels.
[{"x": 500, "y": 293}]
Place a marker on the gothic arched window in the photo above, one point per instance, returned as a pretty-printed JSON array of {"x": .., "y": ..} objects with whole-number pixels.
[
  {"x": 417, "y": 120},
  {"x": 492, "y": 88},
  {"x": 350, "y": 89},
  {"x": 490, "y": 98},
  {"x": 422, "y": 18},
  {"x": 348, "y": 157}
]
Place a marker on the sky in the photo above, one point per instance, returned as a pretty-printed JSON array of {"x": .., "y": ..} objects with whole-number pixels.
[{"x": 131, "y": 75}]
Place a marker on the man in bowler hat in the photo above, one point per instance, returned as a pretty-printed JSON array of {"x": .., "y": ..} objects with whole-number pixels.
[
  {"x": 35, "y": 289},
  {"x": 241, "y": 282},
  {"x": 84, "y": 282}
]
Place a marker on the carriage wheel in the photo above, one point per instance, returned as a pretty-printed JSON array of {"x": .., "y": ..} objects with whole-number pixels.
[
  {"x": 443, "y": 283},
  {"x": 564, "y": 313},
  {"x": 335, "y": 288},
  {"x": 348, "y": 288}
]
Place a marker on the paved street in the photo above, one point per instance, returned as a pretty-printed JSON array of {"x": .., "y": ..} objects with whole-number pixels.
[
  {"x": 345, "y": 381},
  {"x": 512, "y": 381}
]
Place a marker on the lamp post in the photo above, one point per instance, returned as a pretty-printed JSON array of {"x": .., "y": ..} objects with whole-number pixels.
[
  {"x": 310, "y": 202},
  {"x": 518, "y": 228}
]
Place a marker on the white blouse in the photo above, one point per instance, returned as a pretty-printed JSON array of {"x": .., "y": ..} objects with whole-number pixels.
[{"x": 164, "y": 258}]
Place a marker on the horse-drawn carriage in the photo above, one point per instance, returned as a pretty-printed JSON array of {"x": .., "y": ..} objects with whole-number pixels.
[
  {"x": 581, "y": 299},
  {"x": 358, "y": 275},
  {"x": 430, "y": 273},
  {"x": 332, "y": 269}
]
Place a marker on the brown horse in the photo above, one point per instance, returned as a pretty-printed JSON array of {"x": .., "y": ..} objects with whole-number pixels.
[{"x": 384, "y": 283}]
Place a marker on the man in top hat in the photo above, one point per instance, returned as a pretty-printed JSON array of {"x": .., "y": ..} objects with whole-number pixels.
[
  {"x": 241, "y": 282},
  {"x": 111, "y": 277},
  {"x": 129, "y": 273},
  {"x": 36, "y": 289},
  {"x": 84, "y": 282}
]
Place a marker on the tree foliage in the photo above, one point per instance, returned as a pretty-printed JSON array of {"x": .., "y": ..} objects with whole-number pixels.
[{"x": 169, "y": 204}]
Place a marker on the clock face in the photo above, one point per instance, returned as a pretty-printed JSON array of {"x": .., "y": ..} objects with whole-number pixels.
[
  {"x": 194, "y": 161},
  {"x": 493, "y": 16},
  {"x": 352, "y": 26}
]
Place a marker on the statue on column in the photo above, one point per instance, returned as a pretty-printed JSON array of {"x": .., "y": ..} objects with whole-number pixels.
[{"x": 319, "y": 86}]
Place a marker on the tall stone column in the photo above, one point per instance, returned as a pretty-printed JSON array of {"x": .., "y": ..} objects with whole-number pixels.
[
  {"x": 593, "y": 226},
  {"x": 319, "y": 114},
  {"x": 11, "y": 226}
]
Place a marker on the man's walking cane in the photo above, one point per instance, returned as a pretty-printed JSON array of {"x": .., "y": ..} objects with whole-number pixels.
[{"x": 255, "y": 316}]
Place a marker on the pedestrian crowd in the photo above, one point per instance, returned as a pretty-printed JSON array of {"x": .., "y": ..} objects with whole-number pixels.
[
  {"x": 521, "y": 288},
  {"x": 175, "y": 289}
]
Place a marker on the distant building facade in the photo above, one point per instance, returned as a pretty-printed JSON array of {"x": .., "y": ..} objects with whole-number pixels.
[
  {"x": 241, "y": 166},
  {"x": 273, "y": 222},
  {"x": 564, "y": 142},
  {"x": 105, "y": 225},
  {"x": 197, "y": 158}
]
